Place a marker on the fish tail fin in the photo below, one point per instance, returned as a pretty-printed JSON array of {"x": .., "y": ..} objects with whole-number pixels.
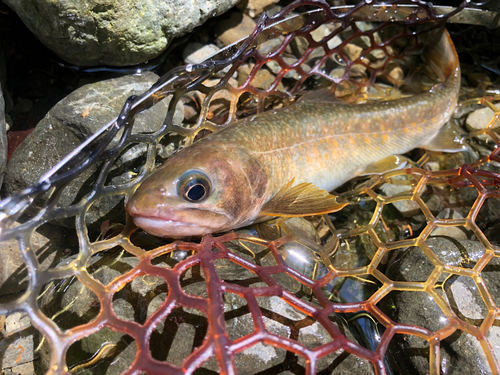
[{"x": 442, "y": 57}]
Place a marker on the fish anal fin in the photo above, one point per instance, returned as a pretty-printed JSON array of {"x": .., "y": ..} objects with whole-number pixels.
[
  {"x": 446, "y": 140},
  {"x": 390, "y": 163},
  {"x": 304, "y": 199}
]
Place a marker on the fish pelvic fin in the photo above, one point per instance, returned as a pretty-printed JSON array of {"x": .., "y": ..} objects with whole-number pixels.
[{"x": 304, "y": 199}]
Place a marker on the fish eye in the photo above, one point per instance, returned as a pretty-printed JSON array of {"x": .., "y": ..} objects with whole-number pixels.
[{"x": 194, "y": 187}]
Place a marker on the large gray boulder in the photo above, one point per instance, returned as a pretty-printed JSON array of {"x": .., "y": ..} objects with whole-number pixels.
[
  {"x": 69, "y": 123},
  {"x": 113, "y": 32}
]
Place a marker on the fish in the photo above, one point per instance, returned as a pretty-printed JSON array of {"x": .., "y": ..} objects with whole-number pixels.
[{"x": 284, "y": 162}]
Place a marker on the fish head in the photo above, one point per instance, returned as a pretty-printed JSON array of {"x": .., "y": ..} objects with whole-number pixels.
[{"x": 202, "y": 189}]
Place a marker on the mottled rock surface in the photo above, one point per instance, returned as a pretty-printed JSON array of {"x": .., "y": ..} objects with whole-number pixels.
[
  {"x": 120, "y": 33},
  {"x": 461, "y": 353},
  {"x": 17, "y": 343},
  {"x": 183, "y": 329},
  {"x": 48, "y": 243},
  {"x": 69, "y": 123},
  {"x": 255, "y": 7}
]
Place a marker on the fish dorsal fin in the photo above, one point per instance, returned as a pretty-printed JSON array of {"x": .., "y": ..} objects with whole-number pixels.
[{"x": 301, "y": 200}]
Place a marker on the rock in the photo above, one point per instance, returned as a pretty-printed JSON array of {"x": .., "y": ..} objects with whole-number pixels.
[
  {"x": 48, "y": 243},
  {"x": 17, "y": 344},
  {"x": 480, "y": 118},
  {"x": 407, "y": 208},
  {"x": 3, "y": 123},
  {"x": 96, "y": 32},
  {"x": 175, "y": 336},
  {"x": 24, "y": 369},
  {"x": 477, "y": 79},
  {"x": 77, "y": 305},
  {"x": 282, "y": 319},
  {"x": 275, "y": 67},
  {"x": 454, "y": 232},
  {"x": 264, "y": 79},
  {"x": 71, "y": 121},
  {"x": 235, "y": 28},
  {"x": 195, "y": 53},
  {"x": 461, "y": 352},
  {"x": 255, "y": 7}
]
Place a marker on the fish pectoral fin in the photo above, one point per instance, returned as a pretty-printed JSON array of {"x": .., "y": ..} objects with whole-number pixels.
[
  {"x": 390, "y": 163},
  {"x": 446, "y": 140},
  {"x": 301, "y": 200}
]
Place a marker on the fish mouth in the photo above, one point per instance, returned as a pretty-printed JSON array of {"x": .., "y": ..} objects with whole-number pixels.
[{"x": 163, "y": 227}]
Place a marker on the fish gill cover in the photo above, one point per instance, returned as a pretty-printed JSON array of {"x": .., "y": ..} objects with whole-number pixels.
[{"x": 376, "y": 287}]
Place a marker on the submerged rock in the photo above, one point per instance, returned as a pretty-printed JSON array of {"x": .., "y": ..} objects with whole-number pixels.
[
  {"x": 69, "y": 123},
  {"x": 120, "y": 33},
  {"x": 255, "y": 7},
  {"x": 17, "y": 344},
  {"x": 47, "y": 243},
  {"x": 461, "y": 353},
  {"x": 177, "y": 334},
  {"x": 235, "y": 28}
]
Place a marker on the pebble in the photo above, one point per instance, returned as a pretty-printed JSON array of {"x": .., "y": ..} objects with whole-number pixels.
[
  {"x": 17, "y": 344},
  {"x": 47, "y": 245},
  {"x": 195, "y": 53},
  {"x": 480, "y": 118},
  {"x": 255, "y": 7},
  {"x": 407, "y": 208},
  {"x": 454, "y": 232},
  {"x": 145, "y": 294},
  {"x": 237, "y": 27}
]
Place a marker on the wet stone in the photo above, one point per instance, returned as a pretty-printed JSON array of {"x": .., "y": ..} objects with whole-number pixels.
[
  {"x": 189, "y": 325},
  {"x": 255, "y": 7},
  {"x": 17, "y": 343},
  {"x": 195, "y": 53},
  {"x": 136, "y": 301},
  {"x": 235, "y": 28},
  {"x": 454, "y": 232},
  {"x": 477, "y": 79},
  {"x": 460, "y": 352},
  {"x": 407, "y": 208},
  {"x": 48, "y": 244},
  {"x": 70, "y": 122},
  {"x": 282, "y": 319},
  {"x": 480, "y": 118},
  {"x": 92, "y": 33}
]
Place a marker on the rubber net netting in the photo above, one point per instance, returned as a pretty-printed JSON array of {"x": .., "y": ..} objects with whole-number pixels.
[{"x": 122, "y": 299}]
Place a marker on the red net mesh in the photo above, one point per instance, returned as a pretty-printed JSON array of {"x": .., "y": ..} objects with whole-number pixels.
[{"x": 132, "y": 303}]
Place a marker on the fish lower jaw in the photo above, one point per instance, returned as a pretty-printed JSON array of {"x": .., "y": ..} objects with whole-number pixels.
[{"x": 170, "y": 228}]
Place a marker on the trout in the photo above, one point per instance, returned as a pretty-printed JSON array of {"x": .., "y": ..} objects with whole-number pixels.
[{"x": 284, "y": 162}]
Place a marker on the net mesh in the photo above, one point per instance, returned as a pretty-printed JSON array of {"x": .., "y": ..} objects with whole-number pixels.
[{"x": 185, "y": 298}]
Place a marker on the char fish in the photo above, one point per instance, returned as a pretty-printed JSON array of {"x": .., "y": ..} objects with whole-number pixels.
[{"x": 284, "y": 162}]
